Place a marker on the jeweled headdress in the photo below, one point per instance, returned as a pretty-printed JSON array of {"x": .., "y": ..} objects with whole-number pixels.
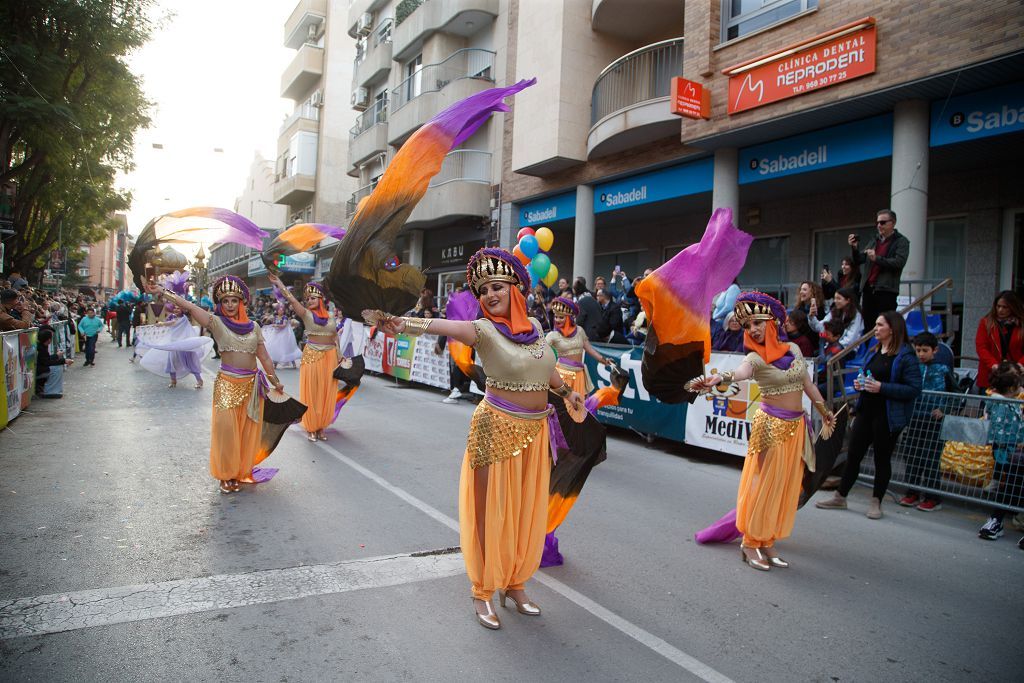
[
  {"x": 758, "y": 306},
  {"x": 230, "y": 285},
  {"x": 490, "y": 264},
  {"x": 315, "y": 289},
  {"x": 563, "y": 306}
]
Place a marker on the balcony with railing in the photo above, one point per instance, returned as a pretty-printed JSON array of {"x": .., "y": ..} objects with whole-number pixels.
[
  {"x": 630, "y": 101},
  {"x": 303, "y": 73},
  {"x": 353, "y": 202},
  {"x": 294, "y": 190},
  {"x": 369, "y": 135},
  {"x": 373, "y": 56},
  {"x": 463, "y": 73},
  {"x": 306, "y": 13},
  {"x": 621, "y": 18},
  {"x": 305, "y": 117},
  {"x": 461, "y": 188},
  {"x": 416, "y": 20}
]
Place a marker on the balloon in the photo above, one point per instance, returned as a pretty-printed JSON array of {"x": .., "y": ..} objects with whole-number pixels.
[
  {"x": 545, "y": 238},
  {"x": 523, "y": 231},
  {"x": 528, "y": 245},
  {"x": 540, "y": 265},
  {"x": 523, "y": 258},
  {"x": 552, "y": 277}
]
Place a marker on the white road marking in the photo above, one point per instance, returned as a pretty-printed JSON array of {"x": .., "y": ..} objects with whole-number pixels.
[
  {"x": 663, "y": 648},
  {"x": 105, "y": 606}
]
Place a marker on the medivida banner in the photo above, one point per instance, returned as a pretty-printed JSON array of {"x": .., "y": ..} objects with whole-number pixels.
[
  {"x": 721, "y": 420},
  {"x": 637, "y": 410}
]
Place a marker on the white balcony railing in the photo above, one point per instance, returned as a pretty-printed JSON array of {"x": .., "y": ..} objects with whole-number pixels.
[
  {"x": 466, "y": 165},
  {"x": 377, "y": 113},
  {"x": 305, "y": 111},
  {"x": 465, "y": 63}
]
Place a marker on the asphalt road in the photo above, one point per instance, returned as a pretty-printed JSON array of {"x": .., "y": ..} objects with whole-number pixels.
[{"x": 119, "y": 560}]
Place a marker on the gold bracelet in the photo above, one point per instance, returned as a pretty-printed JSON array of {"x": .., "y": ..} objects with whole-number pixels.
[
  {"x": 728, "y": 378},
  {"x": 822, "y": 408},
  {"x": 562, "y": 391},
  {"x": 416, "y": 326}
]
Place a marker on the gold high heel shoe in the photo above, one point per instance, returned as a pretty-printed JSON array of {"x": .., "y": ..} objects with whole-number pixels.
[
  {"x": 489, "y": 620},
  {"x": 311, "y": 436},
  {"x": 775, "y": 560},
  {"x": 528, "y": 608},
  {"x": 760, "y": 563}
]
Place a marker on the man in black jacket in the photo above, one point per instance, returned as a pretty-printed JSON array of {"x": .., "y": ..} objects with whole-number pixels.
[
  {"x": 611, "y": 319},
  {"x": 124, "y": 323},
  {"x": 589, "y": 320},
  {"x": 884, "y": 257}
]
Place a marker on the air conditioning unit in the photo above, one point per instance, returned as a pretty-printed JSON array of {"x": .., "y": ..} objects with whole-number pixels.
[
  {"x": 314, "y": 33},
  {"x": 360, "y": 99},
  {"x": 317, "y": 98},
  {"x": 365, "y": 24}
]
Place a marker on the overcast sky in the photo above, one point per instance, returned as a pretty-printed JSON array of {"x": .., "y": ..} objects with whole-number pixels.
[{"x": 213, "y": 73}]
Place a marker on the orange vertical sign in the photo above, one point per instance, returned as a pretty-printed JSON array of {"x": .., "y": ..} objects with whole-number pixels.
[
  {"x": 819, "y": 62},
  {"x": 690, "y": 99}
]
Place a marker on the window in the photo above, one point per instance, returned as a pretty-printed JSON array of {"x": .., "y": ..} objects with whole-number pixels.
[
  {"x": 414, "y": 77},
  {"x": 947, "y": 244},
  {"x": 767, "y": 266},
  {"x": 831, "y": 246},
  {"x": 604, "y": 264},
  {"x": 742, "y": 17}
]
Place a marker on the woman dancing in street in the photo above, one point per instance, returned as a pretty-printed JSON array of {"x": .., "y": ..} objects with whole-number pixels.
[
  {"x": 503, "y": 491},
  {"x": 238, "y": 437},
  {"x": 280, "y": 338},
  {"x": 780, "y": 441},
  {"x": 317, "y": 387},
  {"x": 173, "y": 347},
  {"x": 570, "y": 343}
]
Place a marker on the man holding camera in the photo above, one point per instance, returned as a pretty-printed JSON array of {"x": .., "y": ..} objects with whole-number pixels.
[
  {"x": 883, "y": 261},
  {"x": 14, "y": 315}
]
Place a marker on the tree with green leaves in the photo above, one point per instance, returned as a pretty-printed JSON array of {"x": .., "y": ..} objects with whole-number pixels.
[{"x": 69, "y": 110}]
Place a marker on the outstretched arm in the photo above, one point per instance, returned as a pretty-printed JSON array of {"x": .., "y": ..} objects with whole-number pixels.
[
  {"x": 460, "y": 330},
  {"x": 204, "y": 318},
  {"x": 299, "y": 309},
  {"x": 593, "y": 353}
]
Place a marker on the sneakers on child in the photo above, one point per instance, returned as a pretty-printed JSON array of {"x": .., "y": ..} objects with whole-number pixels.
[
  {"x": 453, "y": 397},
  {"x": 910, "y": 500},
  {"x": 930, "y": 505},
  {"x": 992, "y": 530}
]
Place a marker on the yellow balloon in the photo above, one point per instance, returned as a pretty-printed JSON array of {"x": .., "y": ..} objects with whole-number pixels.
[
  {"x": 545, "y": 238},
  {"x": 552, "y": 277}
]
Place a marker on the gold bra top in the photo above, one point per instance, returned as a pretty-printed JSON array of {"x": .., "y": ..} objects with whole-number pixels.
[
  {"x": 511, "y": 366},
  {"x": 566, "y": 346},
  {"x": 236, "y": 343},
  {"x": 774, "y": 381},
  {"x": 326, "y": 330}
]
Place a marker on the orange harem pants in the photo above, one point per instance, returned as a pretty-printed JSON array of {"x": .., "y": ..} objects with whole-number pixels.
[
  {"x": 502, "y": 524},
  {"x": 318, "y": 389},
  {"x": 234, "y": 436},
  {"x": 770, "y": 484}
]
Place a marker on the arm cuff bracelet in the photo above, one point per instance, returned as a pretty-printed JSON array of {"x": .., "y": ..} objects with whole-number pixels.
[
  {"x": 562, "y": 391},
  {"x": 822, "y": 408},
  {"x": 416, "y": 326},
  {"x": 727, "y": 378}
]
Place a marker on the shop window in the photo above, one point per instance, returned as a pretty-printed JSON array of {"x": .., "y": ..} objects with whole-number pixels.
[
  {"x": 831, "y": 247},
  {"x": 743, "y": 17},
  {"x": 947, "y": 244},
  {"x": 767, "y": 266}
]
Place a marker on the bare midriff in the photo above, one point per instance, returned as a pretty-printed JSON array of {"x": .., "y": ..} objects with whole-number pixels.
[
  {"x": 530, "y": 400},
  {"x": 575, "y": 357},
  {"x": 246, "y": 361},
  {"x": 790, "y": 401},
  {"x": 323, "y": 339}
]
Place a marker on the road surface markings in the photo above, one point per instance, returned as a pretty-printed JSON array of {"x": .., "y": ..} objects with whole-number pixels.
[
  {"x": 663, "y": 648},
  {"x": 106, "y": 606}
]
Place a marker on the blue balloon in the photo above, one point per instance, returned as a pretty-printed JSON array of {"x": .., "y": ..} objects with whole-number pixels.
[{"x": 528, "y": 245}]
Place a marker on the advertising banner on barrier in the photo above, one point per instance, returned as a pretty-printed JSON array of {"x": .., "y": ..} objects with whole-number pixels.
[
  {"x": 12, "y": 375},
  {"x": 721, "y": 420},
  {"x": 637, "y": 409},
  {"x": 409, "y": 358},
  {"x": 27, "y": 342}
]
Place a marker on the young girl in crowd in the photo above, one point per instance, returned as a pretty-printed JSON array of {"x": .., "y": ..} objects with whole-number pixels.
[{"x": 1005, "y": 432}]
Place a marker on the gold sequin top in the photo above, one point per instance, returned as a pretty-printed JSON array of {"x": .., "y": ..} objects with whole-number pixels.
[
  {"x": 511, "y": 366},
  {"x": 774, "y": 381},
  {"x": 236, "y": 343},
  {"x": 328, "y": 329},
  {"x": 567, "y": 346}
]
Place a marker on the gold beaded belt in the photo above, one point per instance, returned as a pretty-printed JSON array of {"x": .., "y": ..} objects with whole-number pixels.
[
  {"x": 496, "y": 434},
  {"x": 313, "y": 353},
  {"x": 228, "y": 395},
  {"x": 768, "y": 431}
]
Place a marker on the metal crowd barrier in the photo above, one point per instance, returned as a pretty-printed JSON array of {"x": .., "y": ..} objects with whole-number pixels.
[{"x": 961, "y": 446}]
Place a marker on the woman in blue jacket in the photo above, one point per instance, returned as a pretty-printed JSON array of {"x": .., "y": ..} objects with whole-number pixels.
[{"x": 886, "y": 402}]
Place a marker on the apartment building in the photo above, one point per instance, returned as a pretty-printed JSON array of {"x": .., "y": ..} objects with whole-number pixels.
[
  {"x": 414, "y": 58},
  {"x": 821, "y": 112},
  {"x": 105, "y": 267}
]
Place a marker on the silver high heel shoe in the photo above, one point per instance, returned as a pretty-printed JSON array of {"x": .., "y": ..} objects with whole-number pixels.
[
  {"x": 489, "y": 620},
  {"x": 776, "y": 561},
  {"x": 758, "y": 563},
  {"x": 527, "y": 608}
]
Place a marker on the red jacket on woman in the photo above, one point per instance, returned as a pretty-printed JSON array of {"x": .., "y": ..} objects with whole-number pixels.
[{"x": 990, "y": 349}]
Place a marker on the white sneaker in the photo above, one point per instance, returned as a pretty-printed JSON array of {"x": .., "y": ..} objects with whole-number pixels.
[{"x": 456, "y": 394}]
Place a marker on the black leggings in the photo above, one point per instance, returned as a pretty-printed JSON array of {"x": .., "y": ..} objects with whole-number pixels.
[{"x": 870, "y": 427}]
